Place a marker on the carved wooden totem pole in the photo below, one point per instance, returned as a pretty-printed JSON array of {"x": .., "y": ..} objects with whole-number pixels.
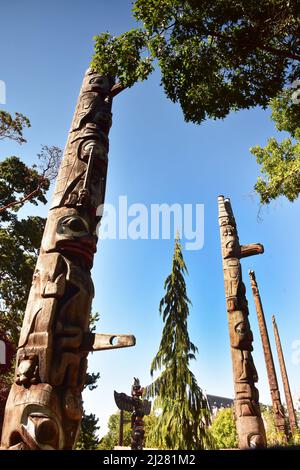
[
  {"x": 285, "y": 379},
  {"x": 250, "y": 427},
  {"x": 44, "y": 408},
  {"x": 139, "y": 408},
  {"x": 278, "y": 410}
]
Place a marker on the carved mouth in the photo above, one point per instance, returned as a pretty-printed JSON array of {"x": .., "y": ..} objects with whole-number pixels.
[{"x": 85, "y": 249}]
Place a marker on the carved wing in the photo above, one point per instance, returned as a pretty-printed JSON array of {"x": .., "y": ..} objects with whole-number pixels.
[
  {"x": 146, "y": 407},
  {"x": 123, "y": 401}
]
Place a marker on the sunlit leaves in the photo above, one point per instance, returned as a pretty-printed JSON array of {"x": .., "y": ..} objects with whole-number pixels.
[
  {"x": 214, "y": 56},
  {"x": 13, "y": 127},
  {"x": 223, "y": 430},
  {"x": 123, "y": 57},
  {"x": 17, "y": 181},
  {"x": 111, "y": 439},
  {"x": 280, "y": 161}
]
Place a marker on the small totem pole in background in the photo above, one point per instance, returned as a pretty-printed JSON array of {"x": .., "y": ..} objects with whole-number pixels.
[
  {"x": 44, "y": 408},
  {"x": 250, "y": 427},
  {"x": 139, "y": 408},
  {"x": 278, "y": 410},
  {"x": 285, "y": 380}
]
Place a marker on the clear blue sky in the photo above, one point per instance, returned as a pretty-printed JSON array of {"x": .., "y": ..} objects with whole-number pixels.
[{"x": 155, "y": 157}]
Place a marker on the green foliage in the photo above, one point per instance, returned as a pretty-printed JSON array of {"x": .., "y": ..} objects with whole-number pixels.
[
  {"x": 280, "y": 161},
  {"x": 91, "y": 380},
  {"x": 17, "y": 181},
  {"x": 223, "y": 430},
  {"x": 111, "y": 439},
  {"x": 295, "y": 440},
  {"x": 214, "y": 56},
  {"x": 184, "y": 410},
  {"x": 150, "y": 423},
  {"x": 6, "y": 375},
  {"x": 274, "y": 437},
  {"x": 122, "y": 56},
  {"x": 88, "y": 439},
  {"x": 94, "y": 317},
  {"x": 19, "y": 241},
  {"x": 12, "y": 128}
]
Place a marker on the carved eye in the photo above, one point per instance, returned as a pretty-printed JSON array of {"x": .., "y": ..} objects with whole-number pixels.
[
  {"x": 98, "y": 80},
  {"x": 76, "y": 225},
  {"x": 73, "y": 226},
  {"x": 241, "y": 328}
]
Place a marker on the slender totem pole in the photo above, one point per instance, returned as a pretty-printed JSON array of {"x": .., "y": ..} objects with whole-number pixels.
[
  {"x": 285, "y": 379},
  {"x": 278, "y": 410},
  {"x": 139, "y": 408},
  {"x": 250, "y": 427},
  {"x": 44, "y": 408}
]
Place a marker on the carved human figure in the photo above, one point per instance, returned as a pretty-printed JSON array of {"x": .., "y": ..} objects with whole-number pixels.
[
  {"x": 44, "y": 408},
  {"x": 249, "y": 423}
]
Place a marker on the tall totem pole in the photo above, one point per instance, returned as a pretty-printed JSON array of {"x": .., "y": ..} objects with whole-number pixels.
[
  {"x": 278, "y": 410},
  {"x": 250, "y": 427},
  {"x": 44, "y": 408},
  {"x": 285, "y": 379}
]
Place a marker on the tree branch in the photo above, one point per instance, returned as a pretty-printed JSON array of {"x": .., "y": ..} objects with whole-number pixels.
[
  {"x": 116, "y": 89},
  {"x": 259, "y": 45},
  {"x": 25, "y": 198},
  {"x": 283, "y": 53}
]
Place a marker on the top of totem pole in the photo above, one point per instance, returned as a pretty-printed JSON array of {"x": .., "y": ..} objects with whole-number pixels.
[
  {"x": 231, "y": 247},
  {"x": 136, "y": 382},
  {"x": 225, "y": 211},
  {"x": 136, "y": 389},
  {"x": 94, "y": 81}
]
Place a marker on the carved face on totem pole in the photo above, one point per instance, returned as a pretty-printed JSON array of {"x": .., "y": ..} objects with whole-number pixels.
[
  {"x": 240, "y": 333},
  {"x": 81, "y": 181},
  {"x": 248, "y": 420},
  {"x": 44, "y": 408}
]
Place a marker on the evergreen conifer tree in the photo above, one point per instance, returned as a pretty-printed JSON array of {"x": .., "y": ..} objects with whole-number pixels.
[{"x": 184, "y": 415}]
